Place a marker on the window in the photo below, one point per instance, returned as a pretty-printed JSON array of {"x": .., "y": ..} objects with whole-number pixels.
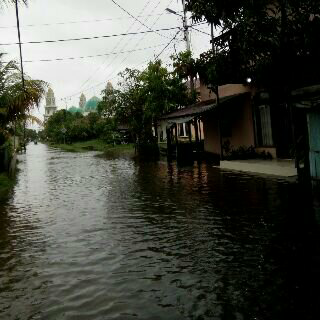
[
  {"x": 264, "y": 129},
  {"x": 182, "y": 130}
]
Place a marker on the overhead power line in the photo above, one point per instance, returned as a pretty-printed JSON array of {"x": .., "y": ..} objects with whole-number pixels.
[
  {"x": 92, "y": 56},
  {"x": 103, "y": 82},
  {"x": 90, "y": 38},
  {"x": 116, "y": 46},
  {"x": 142, "y": 38},
  {"x": 80, "y": 21},
  {"x": 206, "y": 33},
  {"x": 167, "y": 45},
  {"x": 135, "y": 18}
]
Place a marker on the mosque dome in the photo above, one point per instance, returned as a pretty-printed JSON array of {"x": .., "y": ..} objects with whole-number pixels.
[
  {"x": 74, "y": 109},
  {"x": 92, "y": 104}
]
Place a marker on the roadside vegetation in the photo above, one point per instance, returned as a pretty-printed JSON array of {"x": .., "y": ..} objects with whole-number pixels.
[
  {"x": 16, "y": 104},
  {"x": 6, "y": 185},
  {"x": 127, "y": 115},
  {"x": 96, "y": 145},
  {"x": 271, "y": 43}
]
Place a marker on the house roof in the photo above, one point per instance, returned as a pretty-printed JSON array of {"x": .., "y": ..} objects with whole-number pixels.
[
  {"x": 308, "y": 97},
  {"x": 199, "y": 108}
]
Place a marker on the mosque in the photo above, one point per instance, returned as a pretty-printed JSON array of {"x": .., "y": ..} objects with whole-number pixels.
[
  {"x": 50, "y": 107},
  {"x": 85, "y": 107}
]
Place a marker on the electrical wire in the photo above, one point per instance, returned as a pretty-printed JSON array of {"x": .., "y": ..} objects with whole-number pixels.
[
  {"x": 143, "y": 24},
  {"x": 90, "y": 38},
  {"x": 115, "y": 47},
  {"x": 81, "y": 21},
  {"x": 103, "y": 82},
  {"x": 206, "y": 33},
  {"x": 154, "y": 23},
  {"x": 91, "y": 56}
]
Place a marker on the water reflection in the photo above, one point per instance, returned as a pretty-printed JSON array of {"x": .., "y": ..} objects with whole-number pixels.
[{"x": 90, "y": 238}]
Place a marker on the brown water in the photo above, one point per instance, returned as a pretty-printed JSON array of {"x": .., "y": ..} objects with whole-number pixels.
[{"x": 84, "y": 237}]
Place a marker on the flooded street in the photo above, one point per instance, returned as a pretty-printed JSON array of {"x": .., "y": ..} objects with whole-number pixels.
[{"x": 83, "y": 237}]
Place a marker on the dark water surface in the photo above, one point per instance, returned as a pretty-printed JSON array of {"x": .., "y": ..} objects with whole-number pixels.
[{"x": 84, "y": 237}]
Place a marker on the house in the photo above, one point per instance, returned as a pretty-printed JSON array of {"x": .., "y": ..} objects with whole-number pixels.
[
  {"x": 228, "y": 125},
  {"x": 182, "y": 129},
  {"x": 244, "y": 124},
  {"x": 306, "y": 104}
]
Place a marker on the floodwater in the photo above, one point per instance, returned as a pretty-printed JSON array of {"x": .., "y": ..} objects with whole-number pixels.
[{"x": 84, "y": 237}]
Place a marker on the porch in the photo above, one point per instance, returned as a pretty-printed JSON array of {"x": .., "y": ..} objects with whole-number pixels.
[{"x": 276, "y": 167}]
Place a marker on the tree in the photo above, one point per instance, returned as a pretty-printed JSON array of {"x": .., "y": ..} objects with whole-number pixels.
[
  {"x": 16, "y": 101},
  {"x": 146, "y": 96},
  {"x": 273, "y": 42},
  {"x": 185, "y": 68},
  {"x": 10, "y": 2},
  {"x": 108, "y": 106}
]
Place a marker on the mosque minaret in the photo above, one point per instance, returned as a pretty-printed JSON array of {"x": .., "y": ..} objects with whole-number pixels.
[{"x": 50, "y": 107}]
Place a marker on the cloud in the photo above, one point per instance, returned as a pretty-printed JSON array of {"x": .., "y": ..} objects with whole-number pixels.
[{"x": 70, "y": 77}]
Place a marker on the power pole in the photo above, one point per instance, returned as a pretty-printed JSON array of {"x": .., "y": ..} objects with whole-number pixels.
[
  {"x": 22, "y": 73},
  {"x": 216, "y": 91},
  {"x": 186, "y": 27}
]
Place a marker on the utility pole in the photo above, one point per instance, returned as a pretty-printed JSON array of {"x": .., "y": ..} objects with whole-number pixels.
[
  {"x": 186, "y": 27},
  {"x": 215, "y": 88},
  {"x": 187, "y": 36},
  {"x": 22, "y": 73}
]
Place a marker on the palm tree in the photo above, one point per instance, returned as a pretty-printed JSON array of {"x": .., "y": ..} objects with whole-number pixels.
[
  {"x": 16, "y": 101},
  {"x": 8, "y": 2}
]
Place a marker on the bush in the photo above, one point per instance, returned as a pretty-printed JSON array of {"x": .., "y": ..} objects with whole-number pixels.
[{"x": 243, "y": 153}]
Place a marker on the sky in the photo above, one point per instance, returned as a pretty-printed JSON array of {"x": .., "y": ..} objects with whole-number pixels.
[{"x": 69, "y": 19}]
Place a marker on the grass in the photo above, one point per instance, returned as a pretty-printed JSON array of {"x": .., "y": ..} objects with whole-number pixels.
[
  {"x": 6, "y": 184},
  {"x": 98, "y": 145}
]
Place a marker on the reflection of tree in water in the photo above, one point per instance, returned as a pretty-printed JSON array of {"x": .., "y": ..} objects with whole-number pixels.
[
  {"x": 232, "y": 240},
  {"x": 20, "y": 244}
]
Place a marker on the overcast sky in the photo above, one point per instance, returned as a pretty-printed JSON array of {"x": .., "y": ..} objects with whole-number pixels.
[{"x": 65, "y": 19}]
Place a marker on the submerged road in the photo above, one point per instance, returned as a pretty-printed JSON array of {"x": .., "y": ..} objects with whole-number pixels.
[{"x": 84, "y": 237}]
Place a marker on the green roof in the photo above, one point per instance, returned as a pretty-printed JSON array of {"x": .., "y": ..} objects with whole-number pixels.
[
  {"x": 92, "y": 104},
  {"x": 74, "y": 109}
]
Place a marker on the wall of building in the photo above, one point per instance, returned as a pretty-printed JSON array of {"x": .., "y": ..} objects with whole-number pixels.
[
  {"x": 211, "y": 134},
  {"x": 240, "y": 118},
  {"x": 162, "y": 129},
  {"x": 242, "y": 123},
  {"x": 224, "y": 91}
]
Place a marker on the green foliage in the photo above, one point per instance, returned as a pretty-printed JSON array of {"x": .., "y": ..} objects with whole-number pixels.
[
  {"x": 243, "y": 152},
  {"x": 15, "y": 101},
  {"x": 273, "y": 42},
  {"x": 11, "y": 2},
  {"x": 6, "y": 184},
  {"x": 142, "y": 98},
  {"x": 77, "y": 126},
  {"x": 29, "y": 134},
  {"x": 186, "y": 68},
  {"x": 184, "y": 65},
  {"x": 108, "y": 106}
]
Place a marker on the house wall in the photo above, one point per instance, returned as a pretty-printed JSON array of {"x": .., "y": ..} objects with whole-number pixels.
[
  {"x": 240, "y": 117},
  {"x": 224, "y": 91},
  {"x": 242, "y": 124},
  {"x": 162, "y": 128},
  {"x": 211, "y": 135}
]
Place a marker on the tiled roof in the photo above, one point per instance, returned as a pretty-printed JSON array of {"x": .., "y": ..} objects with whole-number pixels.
[{"x": 198, "y": 108}]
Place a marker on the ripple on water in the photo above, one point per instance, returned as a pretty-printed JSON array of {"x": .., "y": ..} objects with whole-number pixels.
[{"x": 90, "y": 238}]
